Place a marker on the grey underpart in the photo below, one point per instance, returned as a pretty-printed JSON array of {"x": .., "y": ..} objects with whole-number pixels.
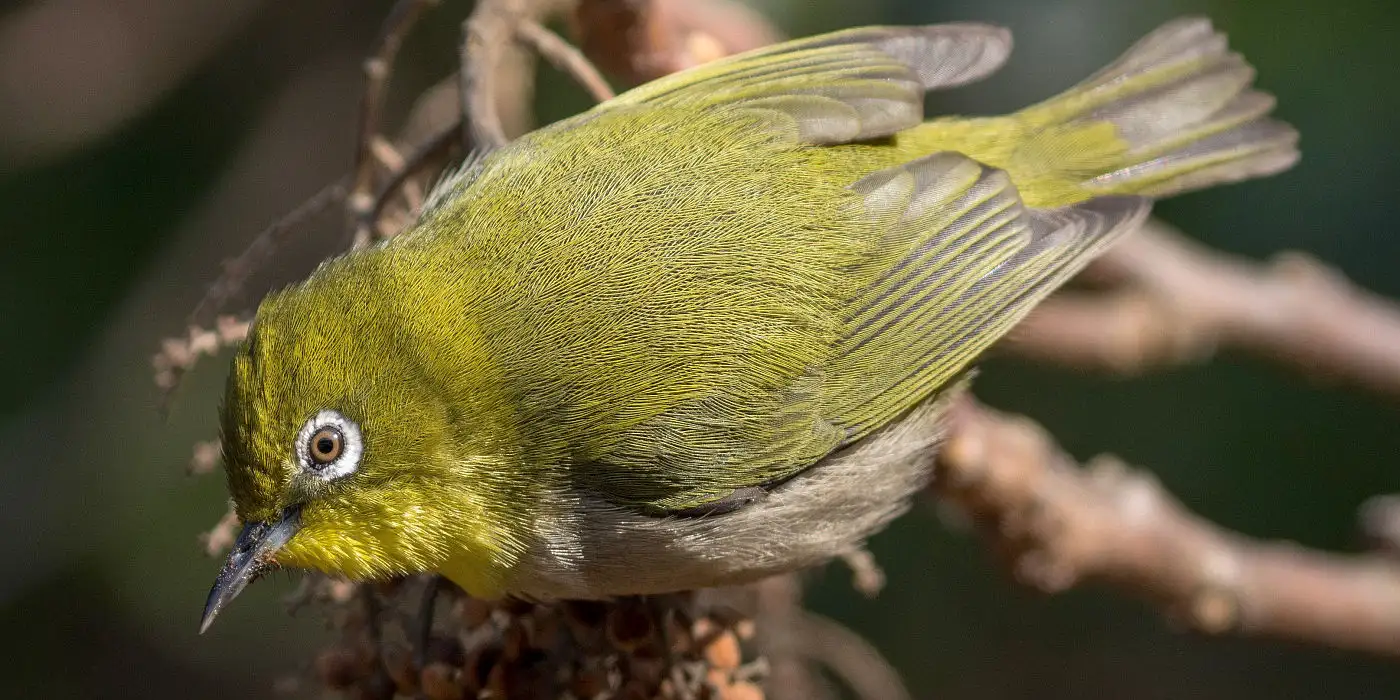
[{"x": 591, "y": 549}]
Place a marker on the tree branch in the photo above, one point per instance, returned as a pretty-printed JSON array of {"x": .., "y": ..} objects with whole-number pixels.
[
  {"x": 565, "y": 57},
  {"x": 642, "y": 40},
  {"x": 1174, "y": 301},
  {"x": 379, "y": 67},
  {"x": 1060, "y": 525}
]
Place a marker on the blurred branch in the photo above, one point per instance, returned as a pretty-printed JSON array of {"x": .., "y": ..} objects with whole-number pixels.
[
  {"x": 792, "y": 676},
  {"x": 205, "y": 458},
  {"x": 177, "y": 355},
  {"x": 1380, "y": 523},
  {"x": 379, "y": 67},
  {"x": 1059, "y": 525},
  {"x": 1172, "y": 301},
  {"x": 641, "y": 40},
  {"x": 237, "y": 271},
  {"x": 565, "y": 57},
  {"x": 848, "y": 656},
  {"x": 485, "y": 36},
  {"x": 220, "y": 538}
]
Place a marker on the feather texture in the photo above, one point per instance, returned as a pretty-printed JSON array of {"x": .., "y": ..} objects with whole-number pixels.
[
  {"x": 843, "y": 86},
  {"x": 961, "y": 262}
]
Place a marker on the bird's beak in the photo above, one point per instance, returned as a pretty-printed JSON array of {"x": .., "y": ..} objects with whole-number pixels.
[{"x": 251, "y": 556}]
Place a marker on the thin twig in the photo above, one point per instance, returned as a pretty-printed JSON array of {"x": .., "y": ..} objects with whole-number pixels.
[
  {"x": 849, "y": 657},
  {"x": 1060, "y": 525},
  {"x": 436, "y": 145},
  {"x": 378, "y": 68},
  {"x": 565, "y": 57},
  {"x": 642, "y": 40},
  {"x": 220, "y": 538},
  {"x": 790, "y": 675},
  {"x": 484, "y": 37},
  {"x": 237, "y": 271},
  {"x": 178, "y": 355},
  {"x": 866, "y": 575}
]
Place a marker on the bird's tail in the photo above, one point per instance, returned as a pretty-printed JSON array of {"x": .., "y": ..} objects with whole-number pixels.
[{"x": 1175, "y": 113}]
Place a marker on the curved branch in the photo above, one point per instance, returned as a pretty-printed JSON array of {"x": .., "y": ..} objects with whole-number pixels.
[
  {"x": 485, "y": 35},
  {"x": 1175, "y": 301},
  {"x": 849, "y": 656},
  {"x": 378, "y": 68},
  {"x": 566, "y": 58},
  {"x": 1061, "y": 525},
  {"x": 642, "y": 40}
]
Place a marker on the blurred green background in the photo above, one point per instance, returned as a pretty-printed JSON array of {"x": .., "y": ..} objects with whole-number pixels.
[{"x": 143, "y": 141}]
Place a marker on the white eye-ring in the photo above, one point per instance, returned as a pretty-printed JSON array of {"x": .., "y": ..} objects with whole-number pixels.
[{"x": 330, "y": 446}]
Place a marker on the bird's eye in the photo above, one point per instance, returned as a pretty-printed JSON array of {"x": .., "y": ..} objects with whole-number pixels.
[
  {"x": 330, "y": 445},
  {"x": 326, "y": 445}
]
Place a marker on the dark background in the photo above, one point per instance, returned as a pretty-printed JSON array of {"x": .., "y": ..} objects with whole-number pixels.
[{"x": 142, "y": 141}]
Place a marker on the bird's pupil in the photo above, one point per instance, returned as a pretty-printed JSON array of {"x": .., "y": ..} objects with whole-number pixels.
[{"x": 325, "y": 445}]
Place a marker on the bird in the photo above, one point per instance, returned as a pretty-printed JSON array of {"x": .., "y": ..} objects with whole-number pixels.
[{"x": 712, "y": 328}]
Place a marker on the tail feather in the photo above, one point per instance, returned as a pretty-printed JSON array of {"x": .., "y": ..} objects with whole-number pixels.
[
  {"x": 1180, "y": 40},
  {"x": 1175, "y": 113}
]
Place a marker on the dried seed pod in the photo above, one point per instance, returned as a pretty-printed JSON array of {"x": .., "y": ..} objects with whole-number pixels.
[
  {"x": 340, "y": 667},
  {"x": 378, "y": 686},
  {"x": 630, "y": 625},
  {"x": 589, "y": 683},
  {"x": 588, "y": 613},
  {"x": 647, "y": 667},
  {"x": 586, "y": 621},
  {"x": 740, "y": 690},
  {"x": 657, "y": 648},
  {"x": 387, "y": 588},
  {"x": 478, "y": 667},
  {"x": 635, "y": 690},
  {"x": 549, "y": 629},
  {"x": 514, "y": 641},
  {"x": 718, "y": 677},
  {"x": 723, "y": 652},
  {"x": 678, "y": 633},
  {"x": 471, "y": 612},
  {"x": 399, "y": 664},
  {"x": 447, "y": 650},
  {"x": 516, "y": 607},
  {"x": 442, "y": 682}
]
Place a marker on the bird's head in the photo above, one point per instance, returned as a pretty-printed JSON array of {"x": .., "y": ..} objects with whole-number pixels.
[{"x": 348, "y": 451}]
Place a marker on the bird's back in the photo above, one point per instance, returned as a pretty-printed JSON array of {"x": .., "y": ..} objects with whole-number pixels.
[
  {"x": 714, "y": 280},
  {"x": 660, "y": 289}
]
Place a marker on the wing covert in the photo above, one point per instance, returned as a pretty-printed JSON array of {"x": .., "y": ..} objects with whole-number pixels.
[{"x": 839, "y": 87}]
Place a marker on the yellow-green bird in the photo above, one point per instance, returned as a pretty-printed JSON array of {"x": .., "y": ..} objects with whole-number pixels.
[{"x": 705, "y": 331}]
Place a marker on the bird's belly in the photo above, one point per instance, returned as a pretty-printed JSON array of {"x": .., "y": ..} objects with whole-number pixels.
[{"x": 589, "y": 549}]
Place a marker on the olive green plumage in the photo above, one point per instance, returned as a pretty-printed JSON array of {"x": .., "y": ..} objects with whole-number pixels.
[{"x": 705, "y": 285}]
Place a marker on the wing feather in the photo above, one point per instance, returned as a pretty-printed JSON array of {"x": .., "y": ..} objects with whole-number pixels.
[
  {"x": 878, "y": 74},
  {"x": 972, "y": 261}
]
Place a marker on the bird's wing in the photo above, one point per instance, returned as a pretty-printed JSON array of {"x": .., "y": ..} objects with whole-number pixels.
[
  {"x": 714, "y": 306},
  {"x": 957, "y": 262},
  {"x": 845, "y": 86},
  {"x": 961, "y": 261},
  {"x": 839, "y": 87}
]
